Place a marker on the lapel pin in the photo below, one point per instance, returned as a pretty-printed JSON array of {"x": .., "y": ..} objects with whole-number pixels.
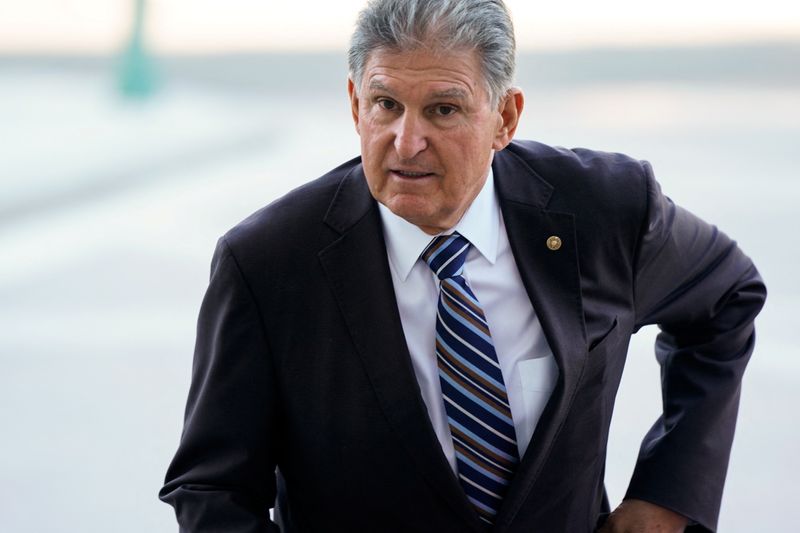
[{"x": 554, "y": 242}]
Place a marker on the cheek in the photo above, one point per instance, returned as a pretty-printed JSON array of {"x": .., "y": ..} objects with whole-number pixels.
[
  {"x": 466, "y": 165},
  {"x": 372, "y": 141},
  {"x": 469, "y": 166},
  {"x": 369, "y": 151},
  {"x": 375, "y": 184}
]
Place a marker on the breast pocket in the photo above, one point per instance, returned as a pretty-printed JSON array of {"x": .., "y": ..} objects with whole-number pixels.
[{"x": 538, "y": 379}]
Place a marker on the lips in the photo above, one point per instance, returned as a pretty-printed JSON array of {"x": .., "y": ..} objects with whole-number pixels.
[{"x": 411, "y": 173}]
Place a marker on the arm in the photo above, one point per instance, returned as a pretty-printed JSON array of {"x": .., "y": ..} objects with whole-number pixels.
[
  {"x": 222, "y": 478},
  {"x": 704, "y": 294}
]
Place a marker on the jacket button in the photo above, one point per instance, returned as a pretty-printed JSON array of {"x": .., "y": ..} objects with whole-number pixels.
[{"x": 554, "y": 242}]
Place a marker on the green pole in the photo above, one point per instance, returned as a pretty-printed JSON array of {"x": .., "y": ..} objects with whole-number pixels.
[{"x": 137, "y": 79}]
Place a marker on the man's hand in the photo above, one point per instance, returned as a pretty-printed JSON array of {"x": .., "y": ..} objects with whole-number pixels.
[{"x": 638, "y": 516}]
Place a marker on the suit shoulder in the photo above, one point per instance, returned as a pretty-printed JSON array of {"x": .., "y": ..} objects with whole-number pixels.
[
  {"x": 593, "y": 185},
  {"x": 588, "y": 179},
  {"x": 593, "y": 166},
  {"x": 289, "y": 230},
  {"x": 292, "y": 215}
]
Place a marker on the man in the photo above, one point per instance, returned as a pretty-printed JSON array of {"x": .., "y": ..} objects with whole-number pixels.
[{"x": 430, "y": 337}]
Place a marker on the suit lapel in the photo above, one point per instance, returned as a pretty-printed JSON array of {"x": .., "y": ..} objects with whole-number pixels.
[
  {"x": 358, "y": 272},
  {"x": 552, "y": 281}
]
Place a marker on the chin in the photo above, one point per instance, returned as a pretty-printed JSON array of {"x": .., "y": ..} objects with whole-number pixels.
[
  {"x": 411, "y": 214},
  {"x": 418, "y": 209}
]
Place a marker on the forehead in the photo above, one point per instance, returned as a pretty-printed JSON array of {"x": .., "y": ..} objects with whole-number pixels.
[{"x": 455, "y": 73}]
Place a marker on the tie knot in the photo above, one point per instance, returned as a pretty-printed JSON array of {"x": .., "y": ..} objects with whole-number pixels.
[{"x": 446, "y": 255}]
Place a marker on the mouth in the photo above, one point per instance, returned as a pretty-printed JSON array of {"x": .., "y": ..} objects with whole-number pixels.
[{"x": 410, "y": 174}]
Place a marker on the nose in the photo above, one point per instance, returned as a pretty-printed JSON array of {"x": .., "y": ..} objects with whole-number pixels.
[{"x": 410, "y": 136}]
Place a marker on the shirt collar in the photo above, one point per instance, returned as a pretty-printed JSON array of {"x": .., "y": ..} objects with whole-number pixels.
[{"x": 480, "y": 224}]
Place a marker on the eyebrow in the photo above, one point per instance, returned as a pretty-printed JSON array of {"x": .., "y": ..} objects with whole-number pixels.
[
  {"x": 451, "y": 93},
  {"x": 375, "y": 85},
  {"x": 454, "y": 92}
]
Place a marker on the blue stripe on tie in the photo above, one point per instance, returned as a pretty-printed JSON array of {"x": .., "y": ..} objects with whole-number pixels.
[
  {"x": 475, "y": 494},
  {"x": 453, "y": 266},
  {"x": 472, "y": 367},
  {"x": 472, "y": 378},
  {"x": 478, "y": 418},
  {"x": 476, "y": 399},
  {"x": 459, "y": 286},
  {"x": 484, "y": 355},
  {"x": 484, "y": 437},
  {"x": 484, "y": 344},
  {"x": 461, "y": 305},
  {"x": 432, "y": 259},
  {"x": 474, "y": 490},
  {"x": 478, "y": 503},
  {"x": 460, "y": 352},
  {"x": 464, "y": 322},
  {"x": 482, "y": 471},
  {"x": 477, "y": 451}
]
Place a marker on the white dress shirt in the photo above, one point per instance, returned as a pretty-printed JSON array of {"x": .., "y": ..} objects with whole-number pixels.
[{"x": 529, "y": 369}]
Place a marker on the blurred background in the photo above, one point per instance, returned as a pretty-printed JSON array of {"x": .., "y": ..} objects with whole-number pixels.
[{"x": 133, "y": 134}]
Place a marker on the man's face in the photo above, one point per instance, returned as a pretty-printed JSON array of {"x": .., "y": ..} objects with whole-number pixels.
[{"x": 428, "y": 131}]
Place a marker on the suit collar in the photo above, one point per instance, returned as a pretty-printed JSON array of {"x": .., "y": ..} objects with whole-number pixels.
[
  {"x": 351, "y": 202},
  {"x": 517, "y": 182}
]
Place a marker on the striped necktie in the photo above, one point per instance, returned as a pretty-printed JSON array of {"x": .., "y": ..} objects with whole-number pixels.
[{"x": 473, "y": 390}]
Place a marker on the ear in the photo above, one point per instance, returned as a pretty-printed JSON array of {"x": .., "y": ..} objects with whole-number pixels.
[
  {"x": 351, "y": 91},
  {"x": 511, "y": 106}
]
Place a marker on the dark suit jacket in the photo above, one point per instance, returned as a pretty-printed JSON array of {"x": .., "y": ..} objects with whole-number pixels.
[{"x": 301, "y": 361}]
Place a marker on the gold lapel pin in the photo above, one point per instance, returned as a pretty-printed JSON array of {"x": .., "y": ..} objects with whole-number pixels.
[{"x": 554, "y": 242}]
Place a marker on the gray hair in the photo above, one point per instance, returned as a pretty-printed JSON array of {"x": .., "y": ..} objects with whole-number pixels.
[{"x": 442, "y": 25}]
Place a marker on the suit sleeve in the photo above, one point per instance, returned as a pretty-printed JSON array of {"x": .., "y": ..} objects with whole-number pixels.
[
  {"x": 704, "y": 294},
  {"x": 222, "y": 478}
]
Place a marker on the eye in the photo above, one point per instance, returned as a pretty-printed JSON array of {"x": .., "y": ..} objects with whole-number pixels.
[
  {"x": 445, "y": 110},
  {"x": 388, "y": 105}
]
